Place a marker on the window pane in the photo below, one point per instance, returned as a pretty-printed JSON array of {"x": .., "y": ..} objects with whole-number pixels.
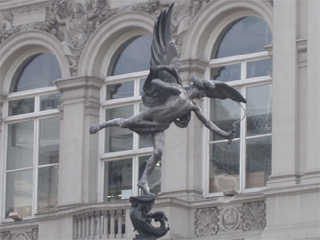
[
  {"x": 117, "y": 179},
  {"x": 224, "y": 166},
  {"x": 247, "y": 35},
  {"x": 226, "y": 73},
  {"x": 48, "y": 188},
  {"x": 49, "y": 137},
  {"x": 20, "y": 145},
  {"x": 51, "y": 101},
  {"x": 117, "y": 138},
  {"x": 224, "y": 113},
  {"x": 39, "y": 71},
  {"x": 133, "y": 56},
  {"x": 21, "y": 106},
  {"x": 259, "y": 110},
  {"x": 259, "y": 68},
  {"x": 258, "y": 162},
  {"x": 154, "y": 181},
  {"x": 19, "y": 193},
  {"x": 120, "y": 90}
]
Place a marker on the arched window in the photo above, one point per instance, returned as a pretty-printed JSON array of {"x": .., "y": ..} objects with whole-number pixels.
[
  {"x": 32, "y": 126},
  {"x": 124, "y": 153},
  {"x": 240, "y": 59}
]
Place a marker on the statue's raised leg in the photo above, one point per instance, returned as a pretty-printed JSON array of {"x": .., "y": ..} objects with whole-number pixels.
[
  {"x": 114, "y": 122},
  {"x": 158, "y": 143}
]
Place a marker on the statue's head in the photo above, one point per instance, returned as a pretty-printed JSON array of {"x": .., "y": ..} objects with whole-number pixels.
[{"x": 76, "y": 8}]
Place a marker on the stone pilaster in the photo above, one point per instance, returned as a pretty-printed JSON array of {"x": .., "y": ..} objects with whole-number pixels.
[
  {"x": 79, "y": 150},
  {"x": 284, "y": 156},
  {"x": 312, "y": 168}
]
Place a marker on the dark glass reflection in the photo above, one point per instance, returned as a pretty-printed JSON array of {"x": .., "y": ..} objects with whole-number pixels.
[
  {"x": 51, "y": 101},
  {"x": 224, "y": 166},
  {"x": 118, "y": 179},
  {"x": 224, "y": 113},
  {"x": 49, "y": 143},
  {"x": 258, "y": 162},
  {"x": 154, "y": 181},
  {"x": 120, "y": 90},
  {"x": 247, "y": 35},
  {"x": 116, "y": 138},
  {"x": 21, "y": 106},
  {"x": 259, "y": 110},
  {"x": 259, "y": 68},
  {"x": 20, "y": 145},
  {"x": 226, "y": 73},
  {"x": 37, "y": 72},
  {"x": 19, "y": 187},
  {"x": 48, "y": 178},
  {"x": 133, "y": 56}
]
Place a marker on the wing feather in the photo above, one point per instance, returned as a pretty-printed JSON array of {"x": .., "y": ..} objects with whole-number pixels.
[{"x": 163, "y": 49}]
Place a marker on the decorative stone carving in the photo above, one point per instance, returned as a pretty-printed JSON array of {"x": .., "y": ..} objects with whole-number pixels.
[
  {"x": 230, "y": 219},
  {"x": 5, "y": 236},
  {"x": 31, "y": 234},
  {"x": 183, "y": 15},
  {"x": 240, "y": 217},
  {"x": 5, "y": 25},
  {"x": 27, "y": 15},
  {"x": 72, "y": 22},
  {"x": 253, "y": 216},
  {"x": 206, "y": 221}
]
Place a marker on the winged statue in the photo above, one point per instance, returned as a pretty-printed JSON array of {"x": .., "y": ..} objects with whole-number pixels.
[{"x": 168, "y": 101}]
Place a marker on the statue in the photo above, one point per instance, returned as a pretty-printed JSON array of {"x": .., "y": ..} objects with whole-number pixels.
[{"x": 169, "y": 102}]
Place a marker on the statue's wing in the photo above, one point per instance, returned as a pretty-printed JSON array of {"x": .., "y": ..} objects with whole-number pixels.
[
  {"x": 163, "y": 49},
  {"x": 164, "y": 63},
  {"x": 223, "y": 91}
]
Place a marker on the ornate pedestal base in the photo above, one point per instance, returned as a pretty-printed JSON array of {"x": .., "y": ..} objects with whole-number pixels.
[{"x": 141, "y": 218}]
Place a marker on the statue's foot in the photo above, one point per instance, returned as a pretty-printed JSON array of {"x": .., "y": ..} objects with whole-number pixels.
[
  {"x": 95, "y": 128},
  {"x": 144, "y": 187}
]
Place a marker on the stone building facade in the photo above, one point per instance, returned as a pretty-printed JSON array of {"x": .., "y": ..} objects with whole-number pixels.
[{"x": 66, "y": 65}]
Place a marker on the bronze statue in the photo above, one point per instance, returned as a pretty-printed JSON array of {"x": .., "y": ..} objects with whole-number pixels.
[{"x": 168, "y": 100}]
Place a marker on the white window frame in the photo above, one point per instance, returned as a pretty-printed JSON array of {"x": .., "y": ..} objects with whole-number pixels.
[
  {"x": 35, "y": 116},
  {"x": 242, "y": 83},
  {"x": 135, "y": 153}
]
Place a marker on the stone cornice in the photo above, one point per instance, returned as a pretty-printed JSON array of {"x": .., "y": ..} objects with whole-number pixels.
[{"x": 75, "y": 83}]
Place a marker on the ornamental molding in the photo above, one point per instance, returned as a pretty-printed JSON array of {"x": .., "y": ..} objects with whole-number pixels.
[
  {"x": 237, "y": 218},
  {"x": 73, "y": 21},
  {"x": 31, "y": 234}
]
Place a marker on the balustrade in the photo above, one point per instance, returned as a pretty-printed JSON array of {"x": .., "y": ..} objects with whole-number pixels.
[{"x": 100, "y": 224}]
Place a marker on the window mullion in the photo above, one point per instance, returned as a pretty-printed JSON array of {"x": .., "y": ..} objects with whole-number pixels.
[
  {"x": 135, "y": 175},
  {"x": 243, "y": 134},
  {"x": 135, "y": 135},
  {"x": 35, "y": 164}
]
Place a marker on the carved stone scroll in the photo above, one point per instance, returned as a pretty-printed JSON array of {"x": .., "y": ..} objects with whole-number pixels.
[{"x": 240, "y": 217}]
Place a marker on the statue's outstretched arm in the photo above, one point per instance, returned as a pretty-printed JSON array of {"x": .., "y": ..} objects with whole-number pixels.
[
  {"x": 211, "y": 126},
  {"x": 172, "y": 88}
]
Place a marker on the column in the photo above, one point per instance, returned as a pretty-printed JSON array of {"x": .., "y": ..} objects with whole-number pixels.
[{"x": 79, "y": 150}]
